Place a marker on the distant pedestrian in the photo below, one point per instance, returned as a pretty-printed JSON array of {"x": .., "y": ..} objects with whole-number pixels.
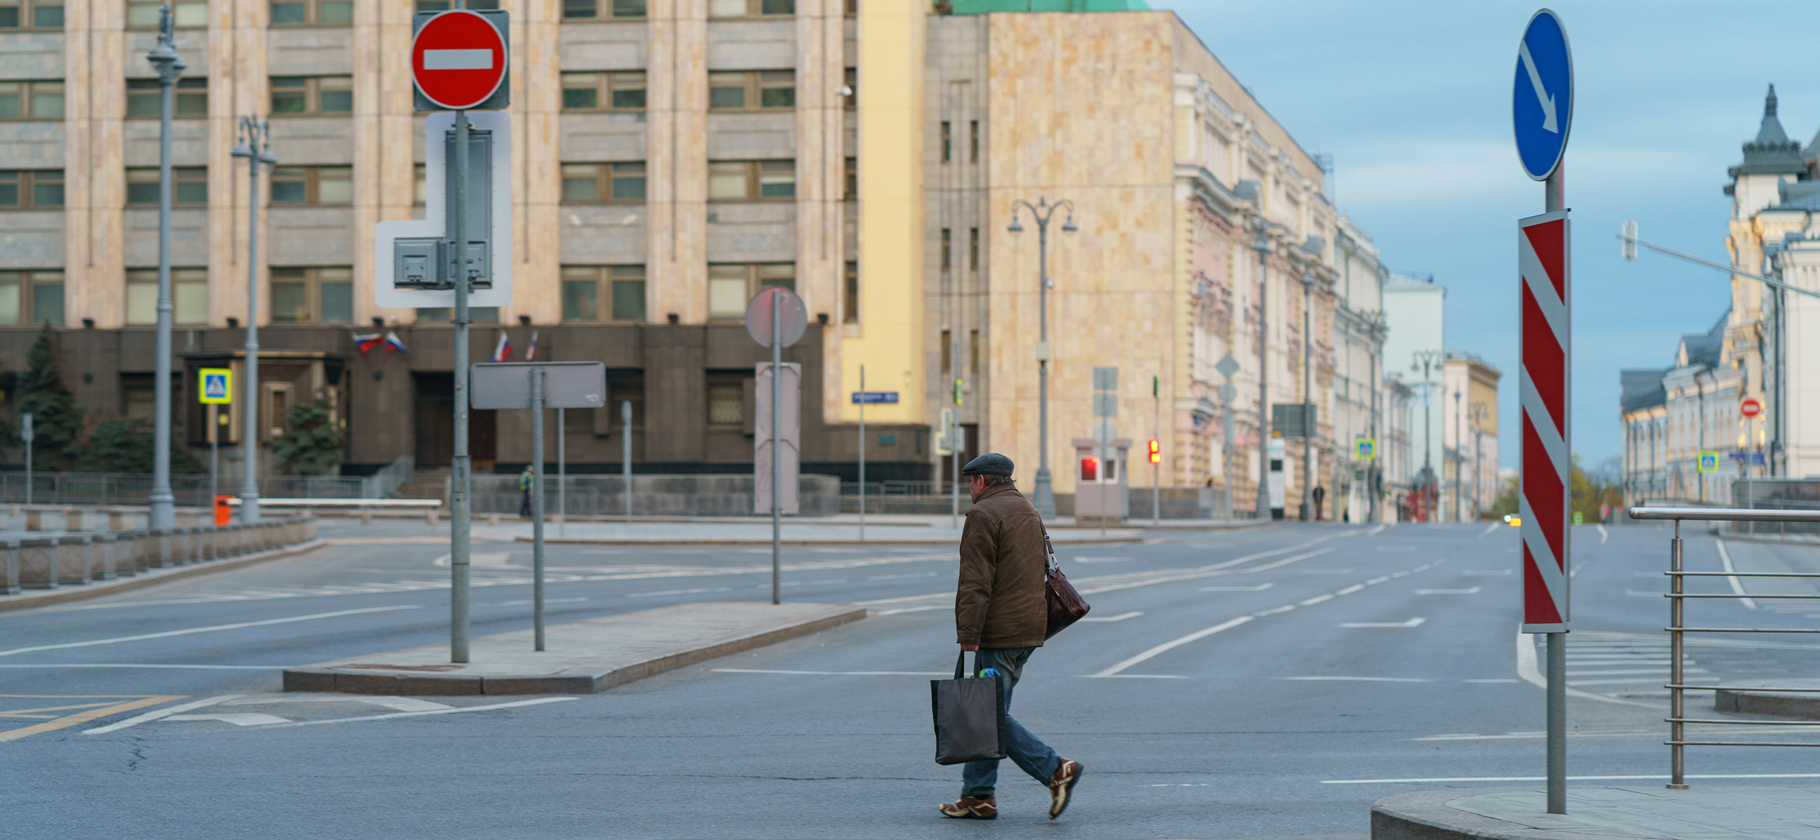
[
  {"x": 525, "y": 480},
  {"x": 1001, "y": 611},
  {"x": 1320, "y": 494}
]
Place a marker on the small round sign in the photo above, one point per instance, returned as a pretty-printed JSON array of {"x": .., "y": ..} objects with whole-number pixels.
[
  {"x": 794, "y": 316},
  {"x": 1750, "y": 408},
  {"x": 458, "y": 60},
  {"x": 1542, "y": 98}
]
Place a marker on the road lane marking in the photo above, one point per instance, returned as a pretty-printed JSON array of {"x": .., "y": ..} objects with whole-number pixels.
[
  {"x": 1414, "y": 622},
  {"x": 169, "y": 633},
  {"x": 159, "y": 714},
  {"x": 1259, "y": 588},
  {"x": 1315, "y": 600},
  {"x": 1350, "y": 589},
  {"x": 1360, "y": 679},
  {"x": 1569, "y": 778},
  {"x": 1528, "y": 670},
  {"x": 913, "y": 609},
  {"x": 172, "y": 667},
  {"x": 235, "y": 718},
  {"x": 1725, "y": 557},
  {"x": 398, "y": 704},
  {"x": 1101, "y": 559},
  {"x": 1488, "y": 529},
  {"x": 1132, "y": 677},
  {"x": 1486, "y": 572},
  {"x": 95, "y": 711},
  {"x": 1602, "y": 534},
  {"x": 1119, "y": 617},
  {"x": 1472, "y": 591},
  {"x": 1375, "y": 531},
  {"x": 1492, "y": 681},
  {"x": 835, "y": 673},
  {"x": 536, "y": 702},
  {"x": 1173, "y": 644}
]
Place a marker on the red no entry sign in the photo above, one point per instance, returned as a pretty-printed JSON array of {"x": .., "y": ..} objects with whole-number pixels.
[
  {"x": 1750, "y": 408},
  {"x": 1544, "y": 389},
  {"x": 458, "y": 59}
]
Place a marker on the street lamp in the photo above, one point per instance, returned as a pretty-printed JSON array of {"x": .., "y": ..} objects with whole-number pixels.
[
  {"x": 1479, "y": 413},
  {"x": 1459, "y": 461},
  {"x": 1260, "y": 242},
  {"x": 163, "y": 56},
  {"x": 256, "y": 146},
  {"x": 1044, "y": 495},
  {"x": 1427, "y": 360}
]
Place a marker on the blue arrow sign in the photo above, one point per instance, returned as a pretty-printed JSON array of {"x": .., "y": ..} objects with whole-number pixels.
[
  {"x": 871, "y": 397},
  {"x": 1542, "y": 101}
]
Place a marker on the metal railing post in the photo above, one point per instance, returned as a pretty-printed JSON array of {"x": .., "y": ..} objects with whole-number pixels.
[{"x": 1676, "y": 751}]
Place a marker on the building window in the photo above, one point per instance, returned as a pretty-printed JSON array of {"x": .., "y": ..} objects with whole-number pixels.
[
  {"x": 31, "y": 100},
  {"x": 592, "y": 9},
  {"x": 750, "y": 8},
  {"x": 189, "y": 186},
  {"x": 313, "y": 12},
  {"x": 21, "y": 188},
  {"x": 850, "y": 312},
  {"x": 973, "y": 142},
  {"x": 144, "y": 98},
  {"x": 603, "y": 91},
  {"x": 445, "y": 314},
  {"x": 947, "y": 248},
  {"x": 143, "y": 14},
  {"x": 751, "y": 180},
  {"x": 947, "y": 351},
  {"x": 947, "y": 141},
  {"x": 851, "y": 94},
  {"x": 753, "y": 90},
  {"x": 294, "y": 95},
  {"x": 31, "y": 14},
  {"x": 852, "y": 179},
  {"x": 31, "y": 297},
  {"x": 726, "y": 402},
  {"x": 601, "y": 293},
  {"x": 732, "y": 286},
  {"x": 189, "y": 296},
  {"x": 312, "y": 295},
  {"x": 592, "y": 183},
  {"x": 313, "y": 185},
  {"x": 973, "y": 249},
  {"x": 445, "y": 5},
  {"x": 420, "y": 185},
  {"x": 973, "y": 352}
]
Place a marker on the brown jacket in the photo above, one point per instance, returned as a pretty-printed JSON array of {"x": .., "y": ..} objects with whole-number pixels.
[{"x": 1001, "y": 601}]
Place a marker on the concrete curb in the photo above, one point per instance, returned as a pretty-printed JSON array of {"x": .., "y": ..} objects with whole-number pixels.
[
  {"x": 151, "y": 578},
  {"x": 1426, "y": 816},
  {"x": 440, "y": 680},
  {"x": 953, "y": 542},
  {"x": 1749, "y": 700}
]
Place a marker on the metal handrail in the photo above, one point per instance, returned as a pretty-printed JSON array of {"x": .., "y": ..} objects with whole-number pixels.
[{"x": 1677, "y": 685}]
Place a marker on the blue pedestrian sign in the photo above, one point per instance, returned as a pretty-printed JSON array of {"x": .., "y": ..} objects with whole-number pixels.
[
  {"x": 873, "y": 397},
  {"x": 217, "y": 386},
  {"x": 1542, "y": 102}
]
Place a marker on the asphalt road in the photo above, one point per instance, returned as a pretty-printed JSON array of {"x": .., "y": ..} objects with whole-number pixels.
[{"x": 1256, "y": 684}]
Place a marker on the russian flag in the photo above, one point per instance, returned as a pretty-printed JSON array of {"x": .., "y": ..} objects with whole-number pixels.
[
  {"x": 393, "y": 342},
  {"x": 368, "y": 341},
  {"x": 503, "y": 351},
  {"x": 531, "y": 352}
]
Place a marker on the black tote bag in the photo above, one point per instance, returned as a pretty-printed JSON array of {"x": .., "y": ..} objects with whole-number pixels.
[{"x": 968, "y": 716}]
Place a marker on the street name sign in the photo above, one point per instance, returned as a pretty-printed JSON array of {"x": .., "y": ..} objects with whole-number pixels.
[
  {"x": 459, "y": 61},
  {"x": 1542, "y": 99},
  {"x": 874, "y": 397},
  {"x": 217, "y": 386},
  {"x": 1545, "y": 292}
]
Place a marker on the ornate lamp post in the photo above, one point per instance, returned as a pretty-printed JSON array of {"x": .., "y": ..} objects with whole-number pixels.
[
  {"x": 1044, "y": 496},
  {"x": 163, "y": 513},
  {"x": 256, "y": 146},
  {"x": 1428, "y": 360}
]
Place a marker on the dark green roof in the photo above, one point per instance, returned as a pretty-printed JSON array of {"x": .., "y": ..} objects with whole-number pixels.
[{"x": 1772, "y": 153}]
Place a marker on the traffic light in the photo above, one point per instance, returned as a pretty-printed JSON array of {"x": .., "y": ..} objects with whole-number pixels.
[{"x": 1156, "y": 452}]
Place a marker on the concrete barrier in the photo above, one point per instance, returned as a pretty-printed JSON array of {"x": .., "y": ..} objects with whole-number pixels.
[
  {"x": 72, "y": 560},
  {"x": 9, "y": 566}
]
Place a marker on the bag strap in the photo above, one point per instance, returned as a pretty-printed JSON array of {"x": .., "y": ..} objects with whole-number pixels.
[
  {"x": 1048, "y": 549},
  {"x": 961, "y": 660}
]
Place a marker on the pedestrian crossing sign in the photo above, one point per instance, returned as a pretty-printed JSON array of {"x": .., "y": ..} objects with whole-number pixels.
[
  {"x": 1709, "y": 461},
  {"x": 217, "y": 386},
  {"x": 1364, "y": 448}
]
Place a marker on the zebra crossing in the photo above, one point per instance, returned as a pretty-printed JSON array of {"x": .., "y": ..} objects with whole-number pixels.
[{"x": 1616, "y": 664}]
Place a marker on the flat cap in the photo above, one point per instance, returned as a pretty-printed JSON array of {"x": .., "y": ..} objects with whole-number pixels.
[{"x": 990, "y": 463}]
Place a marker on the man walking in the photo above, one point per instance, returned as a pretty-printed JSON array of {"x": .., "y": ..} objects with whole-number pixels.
[
  {"x": 525, "y": 483},
  {"x": 1001, "y": 612}
]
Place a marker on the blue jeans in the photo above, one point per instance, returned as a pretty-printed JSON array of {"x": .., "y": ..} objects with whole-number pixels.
[{"x": 980, "y": 778}]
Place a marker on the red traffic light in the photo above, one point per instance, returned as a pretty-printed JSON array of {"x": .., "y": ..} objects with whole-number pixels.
[{"x": 1156, "y": 452}]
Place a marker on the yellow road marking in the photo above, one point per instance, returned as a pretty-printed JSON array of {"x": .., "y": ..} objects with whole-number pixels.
[
  {"x": 32, "y": 713},
  {"x": 83, "y": 717}
]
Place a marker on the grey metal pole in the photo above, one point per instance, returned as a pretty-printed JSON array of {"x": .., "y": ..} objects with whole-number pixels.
[
  {"x": 625, "y": 452},
  {"x": 460, "y": 502},
  {"x": 257, "y": 136},
  {"x": 1226, "y": 460},
  {"x": 1374, "y": 482},
  {"x": 1045, "y": 481},
  {"x": 562, "y": 476},
  {"x": 1156, "y": 467},
  {"x": 1307, "y": 405},
  {"x": 1557, "y": 642},
  {"x": 30, "y": 435},
  {"x": 214, "y": 460},
  {"x": 537, "y": 503},
  {"x": 1459, "y": 463},
  {"x": 954, "y": 473},
  {"x": 1676, "y": 674},
  {"x": 163, "y": 513},
  {"x": 862, "y": 453},
  {"x": 777, "y": 484},
  {"x": 1261, "y": 244}
]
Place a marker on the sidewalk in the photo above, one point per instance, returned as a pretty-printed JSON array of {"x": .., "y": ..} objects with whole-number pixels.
[
  {"x": 1704, "y": 812},
  {"x": 889, "y": 529},
  {"x": 580, "y": 657}
]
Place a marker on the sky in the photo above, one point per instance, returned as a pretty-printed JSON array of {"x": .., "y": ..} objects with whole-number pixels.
[{"x": 1412, "y": 99}]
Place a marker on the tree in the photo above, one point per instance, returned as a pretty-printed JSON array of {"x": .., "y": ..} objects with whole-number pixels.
[
  {"x": 56, "y": 420},
  {"x": 125, "y": 446},
  {"x": 313, "y": 444}
]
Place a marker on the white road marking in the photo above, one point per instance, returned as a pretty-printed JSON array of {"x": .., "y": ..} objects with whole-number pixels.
[
  {"x": 837, "y": 673},
  {"x": 1326, "y": 571},
  {"x": 1472, "y": 591},
  {"x": 538, "y": 701},
  {"x": 159, "y": 714},
  {"x": 1414, "y": 622},
  {"x": 481, "y": 561},
  {"x": 1486, "y": 572},
  {"x": 173, "y": 667},
  {"x": 913, "y": 609},
  {"x": 1529, "y": 671},
  {"x": 1119, "y": 617},
  {"x": 1602, "y": 534},
  {"x": 1101, "y": 559},
  {"x": 401, "y": 704},
  {"x": 169, "y": 633},
  {"x": 1569, "y": 778},
  {"x": 1725, "y": 557},
  {"x": 1396, "y": 548},
  {"x": 1315, "y": 600},
  {"x": 1491, "y": 681},
  {"x": 1350, "y": 589},
  {"x": 1131, "y": 677},
  {"x": 1259, "y": 588},
  {"x": 1171, "y": 645},
  {"x": 1490, "y": 528},
  {"x": 546, "y": 600},
  {"x": 1572, "y": 674},
  {"x": 235, "y": 718},
  {"x": 1360, "y": 679}
]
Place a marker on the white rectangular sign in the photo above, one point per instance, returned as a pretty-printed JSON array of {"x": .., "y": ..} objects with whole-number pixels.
[{"x": 436, "y": 166}]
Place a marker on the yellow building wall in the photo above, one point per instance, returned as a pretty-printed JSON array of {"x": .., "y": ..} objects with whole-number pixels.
[{"x": 889, "y": 343}]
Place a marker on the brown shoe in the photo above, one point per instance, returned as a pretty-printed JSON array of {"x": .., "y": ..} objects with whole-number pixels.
[
  {"x": 969, "y": 808},
  {"x": 1061, "y": 786}
]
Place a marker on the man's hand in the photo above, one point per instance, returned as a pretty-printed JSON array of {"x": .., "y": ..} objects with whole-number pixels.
[{"x": 970, "y": 648}]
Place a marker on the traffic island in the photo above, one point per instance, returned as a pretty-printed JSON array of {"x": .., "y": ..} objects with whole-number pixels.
[
  {"x": 1601, "y": 813},
  {"x": 1764, "y": 699},
  {"x": 581, "y": 657}
]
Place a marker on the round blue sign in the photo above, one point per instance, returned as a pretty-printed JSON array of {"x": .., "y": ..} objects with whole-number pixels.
[{"x": 1542, "y": 101}]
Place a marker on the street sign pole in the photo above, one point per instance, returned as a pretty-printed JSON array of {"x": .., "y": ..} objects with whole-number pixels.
[
  {"x": 1156, "y": 467},
  {"x": 537, "y": 504},
  {"x": 777, "y": 421},
  {"x": 862, "y": 455},
  {"x": 460, "y": 505},
  {"x": 26, "y": 434},
  {"x": 625, "y": 452},
  {"x": 562, "y": 476}
]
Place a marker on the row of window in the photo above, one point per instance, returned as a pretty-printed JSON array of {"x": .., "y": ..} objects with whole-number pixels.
[
  {"x": 194, "y": 14},
  {"x": 754, "y": 90},
  {"x": 326, "y": 295}
]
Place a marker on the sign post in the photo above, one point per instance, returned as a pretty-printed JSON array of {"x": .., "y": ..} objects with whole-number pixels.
[
  {"x": 27, "y": 434},
  {"x": 625, "y": 452},
  {"x": 862, "y": 398},
  {"x": 777, "y": 317},
  {"x": 217, "y": 389},
  {"x": 458, "y": 62},
  {"x": 1541, "y": 114}
]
